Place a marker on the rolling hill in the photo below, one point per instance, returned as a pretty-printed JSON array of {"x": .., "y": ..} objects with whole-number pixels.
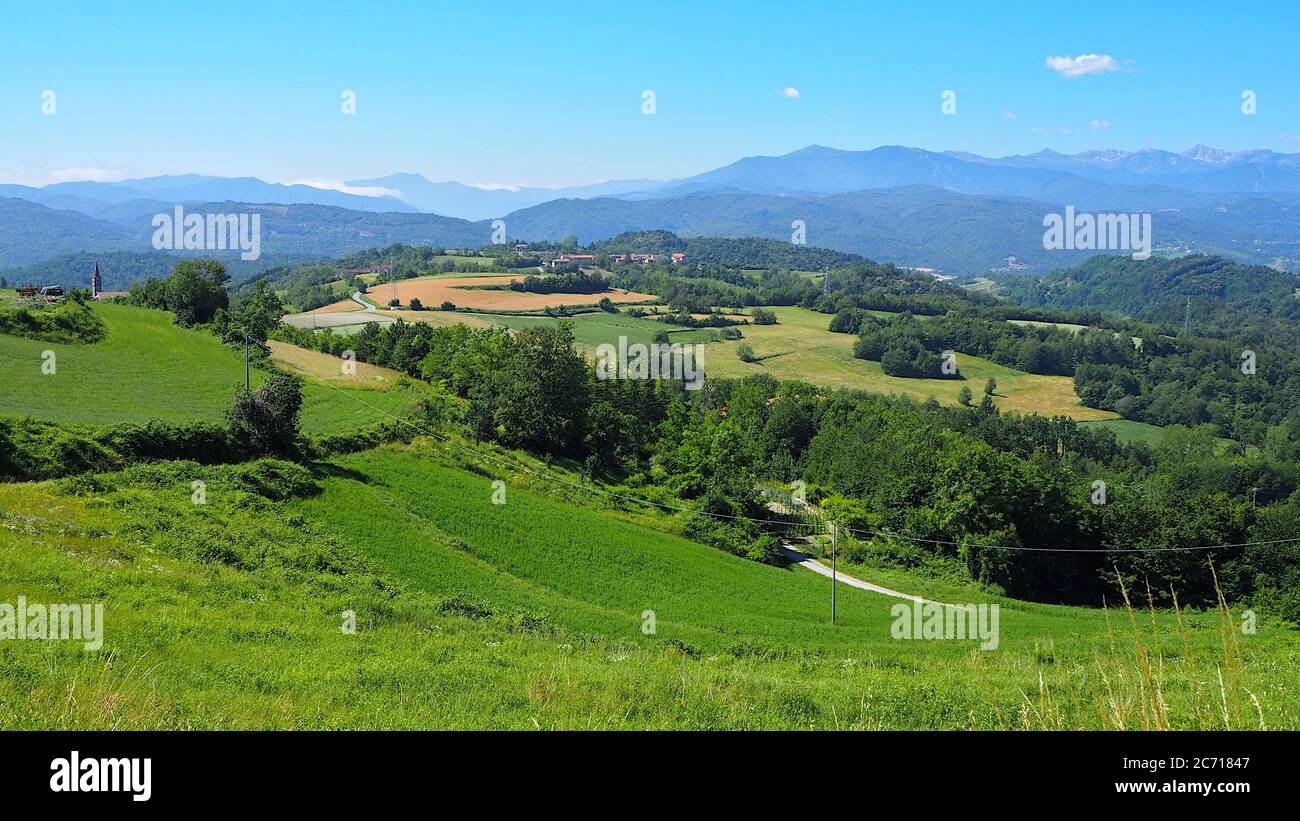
[{"x": 149, "y": 369}]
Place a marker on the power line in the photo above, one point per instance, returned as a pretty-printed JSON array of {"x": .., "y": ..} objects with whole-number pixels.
[{"x": 889, "y": 535}]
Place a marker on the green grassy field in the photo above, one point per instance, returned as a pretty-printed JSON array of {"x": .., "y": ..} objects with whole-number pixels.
[
  {"x": 147, "y": 369},
  {"x": 530, "y": 615},
  {"x": 599, "y": 327},
  {"x": 1127, "y": 430},
  {"x": 800, "y": 347}
]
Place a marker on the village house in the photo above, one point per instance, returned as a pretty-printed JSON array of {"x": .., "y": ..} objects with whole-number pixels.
[
  {"x": 647, "y": 259},
  {"x": 573, "y": 259}
]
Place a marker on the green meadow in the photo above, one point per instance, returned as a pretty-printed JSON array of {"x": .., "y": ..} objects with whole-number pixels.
[
  {"x": 552, "y": 610},
  {"x": 557, "y": 608},
  {"x": 598, "y": 328},
  {"x": 149, "y": 369},
  {"x": 1127, "y": 430},
  {"x": 800, "y": 347}
]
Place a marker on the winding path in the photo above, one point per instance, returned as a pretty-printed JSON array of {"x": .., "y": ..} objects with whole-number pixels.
[{"x": 804, "y": 560}]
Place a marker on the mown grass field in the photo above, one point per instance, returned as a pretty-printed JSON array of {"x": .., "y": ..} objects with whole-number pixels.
[
  {"x": 146, "y": 369},
  {"x": 1128, "y": 430},
  {"x": 530, "y": 615},
  {"x": 326, "y": 368},
  {"x": 800, "y": 347},
  {"x": 598, "y": 328}
]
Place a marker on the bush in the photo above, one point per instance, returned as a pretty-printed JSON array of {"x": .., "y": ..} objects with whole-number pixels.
[
  {"x": 847, "y": 321},
  {"x": 266, "y": 420},
  {"x": 69, "y": 322},
  {"x": 31, "y": 450},
  {"x": 765, "y": 549}
]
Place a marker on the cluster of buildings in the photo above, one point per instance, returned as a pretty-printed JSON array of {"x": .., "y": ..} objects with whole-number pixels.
[
  {"x": 572, "y": 259},
  {"x": 647, "y": 259},
  {"x": 54, "y": 293},
  {"x": 590, "y": 259}
]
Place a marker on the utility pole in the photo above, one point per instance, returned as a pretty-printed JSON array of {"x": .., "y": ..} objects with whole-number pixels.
[
  {"x": 1187, "y": 318},
  {"x": 835, "y": 532},
  {"x": 1253, "y": 491},
  {"x": 247, "y": 378}
]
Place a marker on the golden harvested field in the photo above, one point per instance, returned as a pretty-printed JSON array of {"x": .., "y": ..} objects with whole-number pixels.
[
  {"x": 434, "y": 318},
  {"x": 337, "y": 307},
  {"x": 461, "y": 291},
  {"x": 800, "y": 347},
  {"x": 328, "y": 368}
]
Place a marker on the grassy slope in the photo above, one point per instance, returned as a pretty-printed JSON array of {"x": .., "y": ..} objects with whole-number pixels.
[
  {"x": 594, "y": 575},
  {"x": 800, "y": 347},
  {"x": 147, "y": 369},
  {"x": 192, "y": 644}
]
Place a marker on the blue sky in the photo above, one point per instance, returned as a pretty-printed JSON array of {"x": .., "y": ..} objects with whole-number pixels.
[{"x": 548, "y": 93}]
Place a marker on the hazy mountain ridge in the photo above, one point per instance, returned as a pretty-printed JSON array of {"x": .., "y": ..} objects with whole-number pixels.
[{"x": 955, "y": 211}]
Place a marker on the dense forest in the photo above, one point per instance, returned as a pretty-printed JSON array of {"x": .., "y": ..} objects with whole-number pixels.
[{"x": 1238, "y": 368}]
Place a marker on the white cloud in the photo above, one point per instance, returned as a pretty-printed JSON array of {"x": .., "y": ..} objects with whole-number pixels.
[
  {"x": 1100, "y": 123},
  {"x": 791, "y": 92},
  {"x": 1083, "y": 65},
  {"x": 344, "y": 188},
  {"x": 1010, "y": 115},
  {"x": 1038, "y": 130},
  {"x": 85, "y": 175},
  {"x": 498, "y": 186}
]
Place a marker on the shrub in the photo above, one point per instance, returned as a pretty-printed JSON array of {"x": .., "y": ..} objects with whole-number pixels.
[
  {"x": 266, "y": 419},
  {"x": 69, "y": 322}
]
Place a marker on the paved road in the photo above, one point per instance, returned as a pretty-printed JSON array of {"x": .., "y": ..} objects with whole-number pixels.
[
  {"x": 368, "y": 313},
  {"x": 804, "y": 560}
]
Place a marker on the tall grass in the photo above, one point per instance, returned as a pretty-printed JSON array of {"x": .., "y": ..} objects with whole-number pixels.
[{"x": 1138, "y": 676}]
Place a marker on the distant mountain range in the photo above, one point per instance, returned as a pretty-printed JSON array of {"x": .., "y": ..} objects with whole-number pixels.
[
  {"x": 960, "y": 212},
  {"x": 475, "y": 203}
]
